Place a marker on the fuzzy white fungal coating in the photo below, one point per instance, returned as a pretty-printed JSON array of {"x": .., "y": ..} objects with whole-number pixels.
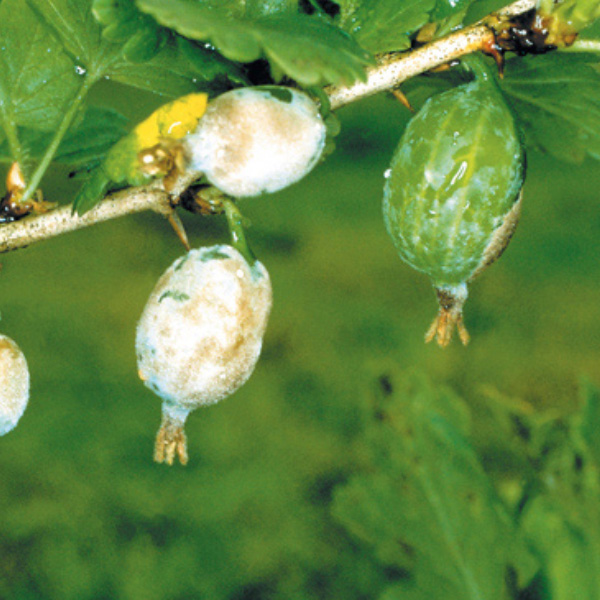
[
  {"x": 200, "y": 335},
  {"x": 14, "y": 384},
  {"x": 255, "y": 140}
]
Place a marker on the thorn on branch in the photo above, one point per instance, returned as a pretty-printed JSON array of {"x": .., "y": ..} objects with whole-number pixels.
[{"x": 399, "y": 94}]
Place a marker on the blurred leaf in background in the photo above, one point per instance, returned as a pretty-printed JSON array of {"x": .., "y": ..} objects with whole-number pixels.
[
  {"x": 561, "y": 518},
  {"x": 425, "y": 503}
]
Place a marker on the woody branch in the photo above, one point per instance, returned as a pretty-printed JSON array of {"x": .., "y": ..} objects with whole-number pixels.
[{"x": 390, "y": 71}]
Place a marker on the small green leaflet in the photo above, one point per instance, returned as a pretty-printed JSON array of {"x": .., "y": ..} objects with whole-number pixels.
[
  {"x": 384, "y": 25},
  {"x": 424, "y": 503},
  {"x": 557, "y": 99},
  {"x": 308, "y": 49}
]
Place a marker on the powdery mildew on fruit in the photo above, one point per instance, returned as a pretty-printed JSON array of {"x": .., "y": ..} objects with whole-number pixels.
[
  {"x": 256, "y": 140},
  {"x": 200, "y": 334},
  {"x": 14, "y": 384}
]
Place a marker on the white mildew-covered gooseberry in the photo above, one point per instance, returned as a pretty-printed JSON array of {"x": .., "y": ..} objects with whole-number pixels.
[
  {"x": 14, "y": 384},
  {"x": 200, "y": 336},
  {"x": 255, "y": 140}
]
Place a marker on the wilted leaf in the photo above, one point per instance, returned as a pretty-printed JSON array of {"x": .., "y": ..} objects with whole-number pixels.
[
  {"x": 557, "y": 98},
  {"x": 310, "y": 50}
]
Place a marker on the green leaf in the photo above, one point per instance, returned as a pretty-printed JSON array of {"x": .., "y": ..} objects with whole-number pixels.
[
  {"x": 95, "y": 187},
  {"x": 74, "y": 25},
  {"x": 256, "y": 8},
  {"x": 384, "y": 25},
  {"x": 446, "y": 8},
  {"x": 37, "y": 80},
  {"x": 562, "y": 518},
  {"x": 123, "y": 22},
  {"x": 588, "y": 421},
  {"x": 557, "y": 99},
  {"x": 171, "y": 72},
  {"x": 569, "y": 551},
  {"x": 425, "y": 503},
  {"x": 591, "y": 33},
  {"x": 98, "y": 131},
  {"x": 481, "y": 8},
  {"x": 181, "y": 67},
  {"x": 310, "y": 50},
  {"x": 89, "y": 142}
]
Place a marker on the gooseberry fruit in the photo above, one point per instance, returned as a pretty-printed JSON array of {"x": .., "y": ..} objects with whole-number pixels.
[
  {"x": 255, "y": 140},
  {"x": 200, "y": 336},
  {"x": 14, "y": 384},
  {"x": 452, "y": 199}
]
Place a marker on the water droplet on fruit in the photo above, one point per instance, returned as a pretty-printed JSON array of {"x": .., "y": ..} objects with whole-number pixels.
[
  {"x": 80, "y": 70},
  {"x": 462, "y": 169},
  {"x": 388, "y": 173}
]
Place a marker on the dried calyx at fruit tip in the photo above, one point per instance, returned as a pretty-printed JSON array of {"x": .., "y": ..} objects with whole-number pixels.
[
  {"x": 14, "y": 384},
  {"x": 256, "y": 140},
  {"x": 200, "y": 336}
]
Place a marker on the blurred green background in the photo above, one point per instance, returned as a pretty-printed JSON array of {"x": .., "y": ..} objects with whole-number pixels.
[{"x": 86, "y": 514}]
